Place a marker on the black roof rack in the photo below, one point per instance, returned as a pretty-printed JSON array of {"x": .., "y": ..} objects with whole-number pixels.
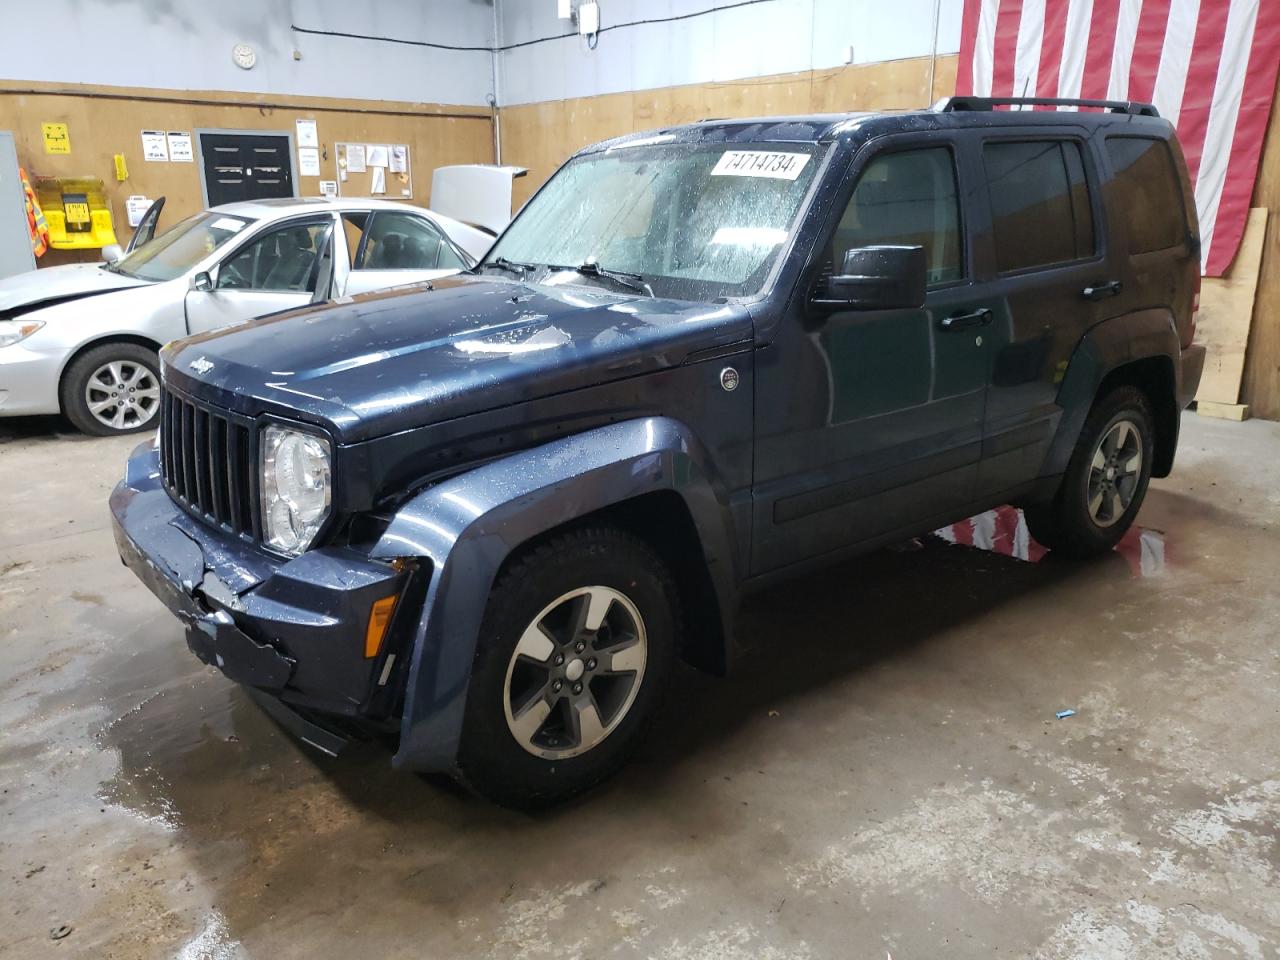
[{"x": 955, "y": 104}]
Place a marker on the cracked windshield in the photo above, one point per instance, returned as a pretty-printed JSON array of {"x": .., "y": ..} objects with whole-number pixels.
[{"x": 672, "y": 220}]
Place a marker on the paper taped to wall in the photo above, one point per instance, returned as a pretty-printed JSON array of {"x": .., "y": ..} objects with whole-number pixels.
[
  {"x": 307, "y": 135},
  {"x": 376, "y": 155},
  {"x": 399, "y": 159},
  {"x": 308, "y": 162},
  {"x": 154, "y": 146},
  {"x": 180, "y": 150},
  {"x": 378, "y": 180},
  {"x": 355, "y": 158}
]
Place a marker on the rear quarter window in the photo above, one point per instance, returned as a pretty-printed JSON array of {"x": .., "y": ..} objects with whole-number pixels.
[
  {"x": 1145, "y": 193},
  {"x": 1040, "y": 207}
]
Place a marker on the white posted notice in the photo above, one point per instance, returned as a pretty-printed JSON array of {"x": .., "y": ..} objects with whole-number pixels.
[
  {"x": 180, "y": 150},
  {"x": 308, "y": 162},
  {"x": 306, "y": 131},
  {"x": 355, "y": 157},
  {"x": 154, "y": 146}
]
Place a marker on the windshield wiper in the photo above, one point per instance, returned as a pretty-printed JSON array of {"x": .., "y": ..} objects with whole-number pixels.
[
  {"x": 632, "y": 281},
  {"x": 511, "y": 266}
]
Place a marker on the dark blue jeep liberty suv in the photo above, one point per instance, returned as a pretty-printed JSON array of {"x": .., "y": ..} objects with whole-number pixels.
[{"x": 485, "y": 516}]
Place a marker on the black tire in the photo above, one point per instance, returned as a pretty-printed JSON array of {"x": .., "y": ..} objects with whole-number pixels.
[
  {"x": 136, "y": 416},
  {"x": 491, "y": 760},
  {"x": 1066, "y": 524}
]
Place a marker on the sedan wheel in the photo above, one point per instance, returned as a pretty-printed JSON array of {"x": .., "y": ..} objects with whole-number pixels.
[
  {"x": 122, "y": 395},
  {"x": 112, "y": 388}
]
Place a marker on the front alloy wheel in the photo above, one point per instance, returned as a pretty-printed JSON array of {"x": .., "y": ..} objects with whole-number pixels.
[
  {"x": 575, "y": 672},
  {"x": 571, "y": 666}
]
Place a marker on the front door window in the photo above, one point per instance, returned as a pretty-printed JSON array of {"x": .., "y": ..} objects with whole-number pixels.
[{"x": 282, "y": 260}]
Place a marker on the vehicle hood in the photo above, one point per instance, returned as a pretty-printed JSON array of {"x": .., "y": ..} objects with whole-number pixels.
[
  {"x": 395, "y": 360},
  {"x": 42, "y": 288}
]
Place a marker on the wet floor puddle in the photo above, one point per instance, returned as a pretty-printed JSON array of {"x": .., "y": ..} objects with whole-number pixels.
[{"x": 1004, "y": 531}]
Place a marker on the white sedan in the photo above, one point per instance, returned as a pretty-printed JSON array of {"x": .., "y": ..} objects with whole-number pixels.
[{"x": 82, "y": 339}]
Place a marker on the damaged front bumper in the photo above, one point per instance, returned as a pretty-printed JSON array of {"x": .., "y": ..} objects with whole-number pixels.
[{"x": 294, "y": 629}]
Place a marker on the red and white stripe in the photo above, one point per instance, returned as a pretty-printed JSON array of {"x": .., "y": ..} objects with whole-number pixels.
[{"x": 1209, "y": 66}]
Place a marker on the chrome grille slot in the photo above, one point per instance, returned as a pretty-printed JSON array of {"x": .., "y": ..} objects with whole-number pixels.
[{"x": 206, "y": 462}]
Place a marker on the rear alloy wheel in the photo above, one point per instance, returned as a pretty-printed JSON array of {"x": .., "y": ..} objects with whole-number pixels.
[
  {"x": 113, "y": 389},
  {"x": 1105, "y": 481},
  {"x": 1115, "y": 472},
  {"x": 573, "y": 659}
]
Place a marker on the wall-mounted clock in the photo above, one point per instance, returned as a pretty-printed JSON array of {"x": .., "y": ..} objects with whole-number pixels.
[{"x": 244, "y": 56}]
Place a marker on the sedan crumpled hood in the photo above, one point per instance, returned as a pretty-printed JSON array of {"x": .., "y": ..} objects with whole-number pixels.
[
  {"x": 41, "y": 288},
  {"x": 400, "y": 359}
]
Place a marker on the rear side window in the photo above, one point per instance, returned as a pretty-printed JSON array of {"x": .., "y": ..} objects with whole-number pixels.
[
  {"x": 1039, "y": 203},
  {"x": 1145, "y": 193},
  {"x": 403, "y": 241},
  {"x": 906, "y": 198}
]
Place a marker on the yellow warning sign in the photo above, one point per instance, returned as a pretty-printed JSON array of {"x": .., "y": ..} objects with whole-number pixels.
[
  {"x": 56, "y": 139},
  {"x": 76, "y": 212}
]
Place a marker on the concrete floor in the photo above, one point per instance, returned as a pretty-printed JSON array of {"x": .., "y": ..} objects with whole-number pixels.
[{"x": 884, "y": 775}]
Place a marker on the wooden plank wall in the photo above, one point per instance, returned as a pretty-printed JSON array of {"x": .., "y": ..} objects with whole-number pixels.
[
  {"x": 1261, "y": 390},
  {"x": 1226, "y": 308},
  {"x": 103, "y": 121},
  {"x": 541, "y": 136}
]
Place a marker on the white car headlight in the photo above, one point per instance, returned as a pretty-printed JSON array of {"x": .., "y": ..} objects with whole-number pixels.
[
  {"x": 296, "y": 487},
  {"x": 11, "y": 331}
]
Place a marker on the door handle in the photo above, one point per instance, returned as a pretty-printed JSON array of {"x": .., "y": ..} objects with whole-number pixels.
[
  {"x": 1102, "y": 290},
  {"x": 962, "y": 321}
]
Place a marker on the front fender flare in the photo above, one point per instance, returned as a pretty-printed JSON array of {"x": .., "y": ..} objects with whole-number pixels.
[{"x": 468, "y": 525}]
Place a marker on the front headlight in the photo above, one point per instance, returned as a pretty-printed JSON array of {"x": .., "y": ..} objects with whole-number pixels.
[
  {"x": 11, "y": 331},
  {"x": 296, "y": 487}
]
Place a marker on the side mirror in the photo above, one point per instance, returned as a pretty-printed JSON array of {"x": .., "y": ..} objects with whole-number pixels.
[
  {"x": 112, "y": 252},
  {"x": 202, "y": 281},
  {"x": 878, "y": 278}
]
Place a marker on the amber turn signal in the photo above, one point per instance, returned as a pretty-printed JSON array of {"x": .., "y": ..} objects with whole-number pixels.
[{"x": 379, "y": 620}]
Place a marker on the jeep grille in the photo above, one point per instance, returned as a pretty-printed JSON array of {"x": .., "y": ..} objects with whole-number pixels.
[{"x": 206, "y": 462}]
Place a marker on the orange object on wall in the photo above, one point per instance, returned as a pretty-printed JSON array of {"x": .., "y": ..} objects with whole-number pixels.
[{"x": 36, "y": 223}]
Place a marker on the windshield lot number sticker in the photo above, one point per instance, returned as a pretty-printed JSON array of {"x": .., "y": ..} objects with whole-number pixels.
[{"x": 760, "y": 163}]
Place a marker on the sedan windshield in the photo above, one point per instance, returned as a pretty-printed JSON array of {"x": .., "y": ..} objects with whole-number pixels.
[
  {"x": 181, "y": 247},
  {"x": 690, "y": 221}
]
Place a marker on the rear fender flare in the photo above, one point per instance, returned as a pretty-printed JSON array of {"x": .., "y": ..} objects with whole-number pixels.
[
  {"x": 468, "y": 525},
  {"x": 1104, "y": 348}
]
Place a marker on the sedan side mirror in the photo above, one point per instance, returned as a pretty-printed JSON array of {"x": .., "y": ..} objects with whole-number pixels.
[
  {"x": 878, "y": 278},
  {"x": 112, "y": 252},
  {"x": 202, "y": 281}
]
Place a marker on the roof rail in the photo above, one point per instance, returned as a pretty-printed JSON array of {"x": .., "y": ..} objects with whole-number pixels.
[{"x": 957, "y": 104}]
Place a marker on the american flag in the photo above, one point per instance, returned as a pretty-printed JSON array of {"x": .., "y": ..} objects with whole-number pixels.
[{"x": 1209, "y": 66}]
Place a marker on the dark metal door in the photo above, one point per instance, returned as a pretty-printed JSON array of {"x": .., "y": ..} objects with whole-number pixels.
[
  {"x": 870, "y": 422},
  {"x": 240, "y": 166}
]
